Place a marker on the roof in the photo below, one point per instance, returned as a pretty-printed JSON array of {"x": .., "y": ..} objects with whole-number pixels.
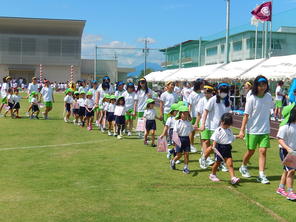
[{"x": 41, "y": 26}]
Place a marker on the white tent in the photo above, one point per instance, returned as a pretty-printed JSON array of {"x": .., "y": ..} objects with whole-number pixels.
[
  {"x": 233, "y": 70},
  {"x": 160, "y": 76},
  {"x": 151, "y": 76},
  {"x": 275, "y": 68}
]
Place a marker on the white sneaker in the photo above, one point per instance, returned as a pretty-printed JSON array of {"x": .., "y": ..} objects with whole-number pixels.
[
  {"x": 203, "y": 163},
  {"x": 178, "y": 162},
  {"x": 114, "y": 134},
  {"x": 263, "y": 179},
  {"x": 102, "y": 130},
  {"x": 193, "y": 149},
  {"x": 223, "y": 168},
  {"x": 244, "y": 171},
  {"x": 109, "y": 133},
  {"x": 119, "y": 137},
  {"x": 129, "y": 133},
  {"x": 210, "y": 161},
  {"x": 169, "y": 155},
  {"x": 65, "y": 119}
]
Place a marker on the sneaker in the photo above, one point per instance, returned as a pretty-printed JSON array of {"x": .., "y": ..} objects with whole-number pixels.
[
  {"x": 223, "y": 168},
  {"x": 145, "y": 142},
  {"x": 186, "y": 171},
  {"x": 178, "y": 162},
  {"x": 102, "y": 130},
  {"x": 109, "y": 133},
  {"x": 214, "y": 178},
  {"x": 263, "y": 180},
  {"x": 193, "y": 149},
  {"x": 153, "y": 145},
  {"x": 88, "y": 128},
  {"x": 119, "y": 137},
  {"x": 169, "y": 155},
  {"x": 210, "y": 161},
  {"x": 282, "y": 192},
  {"x": 234, "y": 180},
  {"x": 291, "y": 196},
  {"x": 115, "y": 134},
  {"x": 129, "y": 133},
  {"x": 65, "y": 120},
  {"x": 244, "y": 171},
  {"x": 173, "y": 165},
  {"x": 36, "y": 117},
  {"x": 203, "y": 163}
]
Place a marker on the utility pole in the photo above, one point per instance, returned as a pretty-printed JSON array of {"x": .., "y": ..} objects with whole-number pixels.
[
  {"x": 95, "y": 63},
  {"x": 227, "y": 31},
  {"x": 145, "y": 55},
  {"x": 199, "y": 52},
  {"x": 180, "y": 56}
]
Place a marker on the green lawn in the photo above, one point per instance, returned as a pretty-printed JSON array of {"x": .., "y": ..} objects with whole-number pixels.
[{"x": 105, "y": 179}]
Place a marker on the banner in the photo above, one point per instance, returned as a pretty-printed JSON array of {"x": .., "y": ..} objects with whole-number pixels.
[{"x": 263, "y": 12}]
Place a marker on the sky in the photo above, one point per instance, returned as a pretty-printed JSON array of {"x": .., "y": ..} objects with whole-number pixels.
[{"x": 124, "y": 23}]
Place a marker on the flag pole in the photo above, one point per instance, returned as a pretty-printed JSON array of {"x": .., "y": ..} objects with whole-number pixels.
[
  {"x": 180, "y": 56},
  {"x": 265, "y": 38},
  {"x": 262, "y": 53},
  {"x": 256, "y": 41},
  {"x": 227, "y": 31},
  {"x": 270, "y": 34}
]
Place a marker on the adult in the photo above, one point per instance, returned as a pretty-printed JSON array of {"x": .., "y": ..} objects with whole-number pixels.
[
  {"x": 142, "y": 94},
  {"x": 256, "y": 122},
  {"x": 4, "y": 91},
  {"x": 82, "y": 87},
  {"x": 193, "y": 100},
  {"x": 246, "y": 92},
  {"x": 106, "y": 79},
  {"x": 186, "y": 91},
  {"x": 33, "y": 87},
  {"x": 279, "y": 95},
  {"x": 167, "y": 98},
  {"x": 48, "y": 99}
]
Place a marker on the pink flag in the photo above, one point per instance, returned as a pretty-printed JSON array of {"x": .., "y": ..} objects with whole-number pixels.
[
  {"x": 290, "y": 160},
  {"x": 263, "y": 12},
  {"x": 162, "y": 145},
  {"x": 176, "y": 139},
  {"x": 140, "y": 125}
]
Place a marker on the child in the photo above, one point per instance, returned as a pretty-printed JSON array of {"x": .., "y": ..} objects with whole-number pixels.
[
  {"x": 150, "y": 116},
  {"x": 89, "y": 110},
  {"x": 169, "y": 127},
  {"x": 4, "y": 91},
  {"x": 214, "y": 109},
  {"x": 222, "y": 139},
  {"x": 279, "y": 95},
  {"x": 100, "y": 95},
  {"x": 183, "y": 128},
  {"x": 16, "y": 100},
  {"x": 68, "y": 103},
  {"x": 205, "y": 135},
  {"x": 287, "y": 144},
  {"x": 111, "y": 117},
  {"x": 106, "y": 102},
  {"x": 256, "y": 121},
  {"x": 81, "y": 112},
  {"x": 34, "y": 105},
  {"x": 119, "y": 89},
  {"x": 119, "y": 113},
  {"x": 130, "y": 115},
  {"x": 75, "y": 109},
  {"x": 9, "y": 99},
  {"x": 47, "y": 94}
]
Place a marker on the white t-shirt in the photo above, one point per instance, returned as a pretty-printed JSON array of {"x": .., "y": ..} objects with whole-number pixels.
[
  {"x": 68, "y": 99},
  {"x": 278, "y": 90},
  {"x": 119, "y": 109},
  {"x": 89, "y": 103},
  {"x": 111, "y": 107},
  {"x": 183, "y": 128},
  {"x": 223, "y": 136},
  {"x": 34, "y": 101},
  {"x": 201, "y": 106},
  {"x": 101, "y": 96},
  {"x": 129, "y": 100},
  {"x": 9, "y": 98},
  {"x": 216, "y": 110},
  {"x": 81, "y": 102},
  {"x": 248, "y": 94},
  {"x": 193, "y": 100},
  {"x": 119, "y": 93},
  {"x": 185, "y": 93},
  {"x": 16, "y": 98},
  {"x": 177, "y": 90},
  {"x": 258, "y": 110},
  {"x": 75, "y": 104},
  {"x": 94, "y": 92},
  {"x": 4, "y": 88},
  {"x": 141, "y": 97},
  {"x": 150, "y": 114},
  {"x": 168, "y": 99},
  {"x": 288, "y": 134},
  {"x": 81, "y": 88},
  {"x": 170, "y": 123},
  {"x": 47, "y": 94},
  {"x": 105, "y": 106},
  {"x": 109, "y": 91},
  {"x": 32, "y": 88}
]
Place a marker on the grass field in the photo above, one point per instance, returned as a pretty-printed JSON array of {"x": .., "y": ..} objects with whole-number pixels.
[{"x": 53, "y": 171}]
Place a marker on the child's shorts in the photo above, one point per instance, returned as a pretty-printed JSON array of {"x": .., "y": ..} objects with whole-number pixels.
[
  {"x": 89, "y": 114},
  {"x": 35, "y": 108},
  {"x": 111, "y": 117},
  {"x": 170, "y": 139},
  {"x": 17, "y": 106},
  {"x": 150, "y": 125},
  {"x": 283, "y": 154},
  {"x": 120, "y": 120},
  {"x": 11, "y": 105},
  {"x": 75, "y": 111},
  {"x": 107, "y": 114},
  {"x": 68, "y": 107},
  {"x": 224, "y": 150},
  {"x": 185, "y": 145},
  {"x": 81, "y": 111}
]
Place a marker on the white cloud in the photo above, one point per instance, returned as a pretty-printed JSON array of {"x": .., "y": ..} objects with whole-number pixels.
[
  {"x": 88, "y": 44},
  {"x": 150, "y": 40}
]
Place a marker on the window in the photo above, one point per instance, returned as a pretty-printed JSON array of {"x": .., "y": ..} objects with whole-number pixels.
[
  {"x": 237, "y": 46},
  {"x": 276, "y": 44},
  {"x": 212, "y": 51},
  {"x": 70, "y": 47},
  {"x": 222, "y": 48},
  {"x": 28, "y": 46},
  {"x": 54, "y": 47},
  {"x": 14, "y": 47}
]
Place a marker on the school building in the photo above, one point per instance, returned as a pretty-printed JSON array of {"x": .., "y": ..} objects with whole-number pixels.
[
  {"x": 29, "y": 46},
  {"x": 242, "y": 47}
]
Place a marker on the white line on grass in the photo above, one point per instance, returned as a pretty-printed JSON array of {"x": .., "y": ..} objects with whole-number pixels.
[
  {"x": 48, "y": 146},
  {"x": 265, "y": 209}
]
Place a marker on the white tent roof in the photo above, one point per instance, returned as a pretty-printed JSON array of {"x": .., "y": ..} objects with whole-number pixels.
[
  {"x": 233, "y": 70},
  {"x": 151, "y": 76},
  {"x": 275, "y": 68}
]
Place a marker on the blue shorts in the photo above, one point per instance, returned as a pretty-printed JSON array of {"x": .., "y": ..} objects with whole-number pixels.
[
  {"x": 110, "y": 117},
  {"x": 150, "y": 125},
  {"x": 224, "y": 150},
  {"x": 283, "y": 154},
  {"x": 185, "y": 145},
  {"x": 120, "y": 120}
]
